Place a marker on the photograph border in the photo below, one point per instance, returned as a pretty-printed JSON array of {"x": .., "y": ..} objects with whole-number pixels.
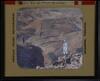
[{"x": 96, "y": 50}]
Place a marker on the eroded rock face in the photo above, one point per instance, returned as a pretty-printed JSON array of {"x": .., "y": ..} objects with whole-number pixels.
[{"x": 47, "y": 28}]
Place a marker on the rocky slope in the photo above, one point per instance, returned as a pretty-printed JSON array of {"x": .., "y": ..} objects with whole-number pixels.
[{"x": 47, "y": 28}]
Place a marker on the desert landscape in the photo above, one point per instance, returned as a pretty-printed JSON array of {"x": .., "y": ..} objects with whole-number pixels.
[{"x": 40, "y": 35}]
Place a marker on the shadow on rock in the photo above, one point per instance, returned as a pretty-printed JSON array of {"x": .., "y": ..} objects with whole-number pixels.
[{"x": 29, "y": 56}]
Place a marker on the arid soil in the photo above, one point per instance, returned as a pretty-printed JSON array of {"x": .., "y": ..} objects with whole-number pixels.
[{"x": 47, "y": 28}]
